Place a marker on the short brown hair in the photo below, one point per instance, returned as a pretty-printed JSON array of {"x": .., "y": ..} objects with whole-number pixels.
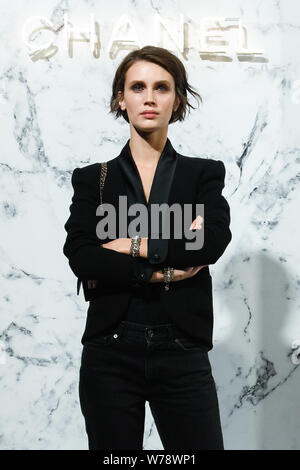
[{"x": 168, "y": 61}]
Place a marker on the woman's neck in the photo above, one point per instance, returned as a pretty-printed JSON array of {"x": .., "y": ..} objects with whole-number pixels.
[{"x": 146, "y": 153}]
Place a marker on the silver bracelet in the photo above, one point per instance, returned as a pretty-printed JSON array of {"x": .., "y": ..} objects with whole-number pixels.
[
  {"x": 135, "y": 246},
  {"x": 168, "y": 276}
]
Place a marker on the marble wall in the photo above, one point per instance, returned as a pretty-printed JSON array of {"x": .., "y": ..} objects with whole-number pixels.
[{"x": 54, "y": 103}]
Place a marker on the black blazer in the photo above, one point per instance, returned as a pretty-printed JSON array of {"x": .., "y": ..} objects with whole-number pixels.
[{"x": 178, "y": 179}]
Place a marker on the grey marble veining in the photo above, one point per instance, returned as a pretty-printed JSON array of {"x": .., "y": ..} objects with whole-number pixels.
[{"x": 54, "y": 117}]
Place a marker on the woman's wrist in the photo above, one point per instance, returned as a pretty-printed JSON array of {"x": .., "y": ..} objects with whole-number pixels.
[
  {"x": 135, "y": 243},
  {"x": 168, "y": 273},
  {"x": 143, "y": 247},
  {"x": 157, "y": 276}
]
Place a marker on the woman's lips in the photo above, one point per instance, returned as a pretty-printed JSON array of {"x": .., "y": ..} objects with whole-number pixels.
[{"x": 149, "y": 115}]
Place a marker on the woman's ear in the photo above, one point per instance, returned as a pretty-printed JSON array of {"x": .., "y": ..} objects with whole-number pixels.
[
  {"x": 176, "y": 104},
  {"x": 121, "y": 100}
]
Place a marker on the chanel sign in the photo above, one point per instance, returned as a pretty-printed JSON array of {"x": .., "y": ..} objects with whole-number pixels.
[{"x": 213, "y": 38}]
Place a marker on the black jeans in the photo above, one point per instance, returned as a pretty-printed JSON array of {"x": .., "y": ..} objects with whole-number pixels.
[{"x": 136, "y": 363}]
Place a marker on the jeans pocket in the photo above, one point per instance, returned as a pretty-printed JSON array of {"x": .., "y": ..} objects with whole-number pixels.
[
  {"x": 102, "y": 340},
  {"x": 187, "y": 344}
]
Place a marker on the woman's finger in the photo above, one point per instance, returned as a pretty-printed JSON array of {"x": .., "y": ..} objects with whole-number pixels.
[{"x": 197, "y": 223}]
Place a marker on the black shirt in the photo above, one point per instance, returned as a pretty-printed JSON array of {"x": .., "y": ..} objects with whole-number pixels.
[{"x": 145, "y": 305}]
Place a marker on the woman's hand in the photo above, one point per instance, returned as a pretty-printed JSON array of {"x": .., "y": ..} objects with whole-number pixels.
[
  {"x": 179, "y": 274},
  {"x": 197, "y": 223},
  {"x": 122, "y": 245}
]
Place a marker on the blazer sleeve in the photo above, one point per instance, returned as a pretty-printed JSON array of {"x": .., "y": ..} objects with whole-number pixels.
[
  {"x": 217, "y": 234},
  {"x": 87, "y": 258}
]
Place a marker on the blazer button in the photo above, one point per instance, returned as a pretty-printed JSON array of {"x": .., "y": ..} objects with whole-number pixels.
[
  {"x": 142, "y": 275},
  {"x": 156, "y": 256}
]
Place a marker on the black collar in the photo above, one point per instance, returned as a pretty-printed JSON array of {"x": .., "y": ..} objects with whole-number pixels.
[{"x": 162, "y": 178}]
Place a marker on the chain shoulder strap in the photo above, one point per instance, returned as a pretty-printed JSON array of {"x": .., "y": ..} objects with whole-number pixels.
[
  {"x": 102, "y": 178},
  {"x": 92, "y": 284}
]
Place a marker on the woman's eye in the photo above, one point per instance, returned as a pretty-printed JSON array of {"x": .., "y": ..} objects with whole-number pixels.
[
  {"x": 137, "y": 85},
  {"x": 164, "y": 86}
]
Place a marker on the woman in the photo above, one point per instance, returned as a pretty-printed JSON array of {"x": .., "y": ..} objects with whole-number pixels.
[{"x": 150, "y": 316}]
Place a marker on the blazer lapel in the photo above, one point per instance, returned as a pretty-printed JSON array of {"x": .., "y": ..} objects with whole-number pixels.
[{"x": 159, "y": 193}]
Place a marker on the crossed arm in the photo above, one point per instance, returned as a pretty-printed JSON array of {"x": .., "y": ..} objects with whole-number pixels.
[
  {"x": 110, "y": 262},
  {"x": 88, "y": 259},
  {"x": 122, "y": 245}
]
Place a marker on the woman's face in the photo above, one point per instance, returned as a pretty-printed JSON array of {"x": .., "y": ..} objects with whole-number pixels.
[{"x": 148, "y": 86}]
